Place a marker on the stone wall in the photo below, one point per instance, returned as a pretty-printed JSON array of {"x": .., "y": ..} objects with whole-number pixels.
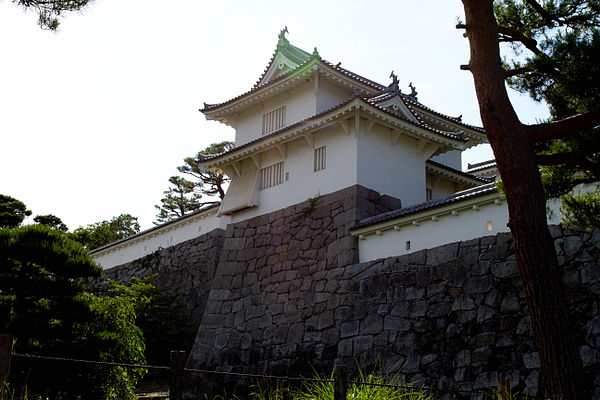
[
  {"x": 288, "y": 295},
  {"x": 188, "y": 266}
]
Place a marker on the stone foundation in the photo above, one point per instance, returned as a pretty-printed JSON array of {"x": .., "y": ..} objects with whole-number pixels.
[{"x": 289, "y": 296}]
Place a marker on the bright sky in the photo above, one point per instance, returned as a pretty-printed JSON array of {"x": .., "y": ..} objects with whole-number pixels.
[{"x": 96, "y": 117}]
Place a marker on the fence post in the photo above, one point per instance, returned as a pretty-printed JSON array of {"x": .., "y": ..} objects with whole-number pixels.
[
  {"x": 503, "y": 389},
  {"x": 6, "y": 345},
  {"x": 340, "y": 382},
  {"x": 177, "y": 366}
]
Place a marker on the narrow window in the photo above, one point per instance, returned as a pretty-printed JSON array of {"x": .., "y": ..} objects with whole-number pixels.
[
  {"x": 320, "y": 155},
  {"x": 271, "y": 176},
  {"x": 273, "y": 120},
  {"x": 489, "y": 226},
  {"x": 408, "y": 245},
  {"x": 428, "y": 194}
]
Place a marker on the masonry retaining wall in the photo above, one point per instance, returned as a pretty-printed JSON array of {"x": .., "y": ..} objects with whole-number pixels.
[
  {"x": 188, "y": 266},
  {"x": 284, "y": 292},
  {"x": 288, "y": 295}
]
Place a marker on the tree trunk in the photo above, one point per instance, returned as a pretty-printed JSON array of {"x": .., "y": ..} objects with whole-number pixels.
[{"x": 561, "y": 367}]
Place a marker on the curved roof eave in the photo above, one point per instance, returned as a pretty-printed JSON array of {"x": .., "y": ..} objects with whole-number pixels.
[
  {"x": 212, "y": 111},
  {"x": 327, "y": 117}
]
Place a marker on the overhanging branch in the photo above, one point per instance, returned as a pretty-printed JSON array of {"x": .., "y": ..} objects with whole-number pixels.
[
  {"x": 513, "y": 35},
  {"x": 516, "y": 71},
  {"x": 569, "y": 158},
  {"x": 565, "y": 127}
]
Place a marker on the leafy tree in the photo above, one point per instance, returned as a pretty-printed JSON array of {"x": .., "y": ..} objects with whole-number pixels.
[
  {"x": 566, "y": 75},
  {"x": 43, "y": 278},
  {"x": 513, "y": 144},
  {"x": 51, "y": 221},
  {"x": 50, "y": 10},
  {"x": 209, "y": 183},
  {"x": 185, "y": 195},
  {"x": 582, "y": 210},
  {"x": 105, "y": 232},
  {"x": 12, "y": 211},
  {"x": 159, "y": 315},
  {"x": 179, "y": 200}
]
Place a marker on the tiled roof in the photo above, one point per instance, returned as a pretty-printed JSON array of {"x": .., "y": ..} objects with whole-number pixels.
[
  {"x": 459, "y": 172},
  {"x": 402, "y": 212},
  {"x": 208, "y": 107},
  {"x": 201, "y": 210},
  {"x": 450, "y": 135},
  {"x": 354, "y": 76},
  {"x": 481, "y": 165},
  {"x": 410, "y": 102},
  {"x": 292, "y": 52}
]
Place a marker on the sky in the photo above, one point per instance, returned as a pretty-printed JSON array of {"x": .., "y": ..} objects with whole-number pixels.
[{"x": 95, "y": 118}]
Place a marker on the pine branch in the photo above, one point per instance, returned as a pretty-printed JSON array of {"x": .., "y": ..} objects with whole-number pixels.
[
  {"x": 565, "y": 127},
  {"x": 516, "y": 71},
  {"x": 569, "y": 158},
  {"x": 512, "y": 35}
]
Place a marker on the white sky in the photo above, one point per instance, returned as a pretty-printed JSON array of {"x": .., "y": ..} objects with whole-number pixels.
[{"x": 96, "y": 117}]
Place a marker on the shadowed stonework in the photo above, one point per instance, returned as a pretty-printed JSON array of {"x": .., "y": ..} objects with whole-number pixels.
[{"x": 287, "y": 293}]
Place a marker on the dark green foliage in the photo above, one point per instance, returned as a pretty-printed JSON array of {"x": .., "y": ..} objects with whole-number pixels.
[
  {"x": 51, "y": 221},
  {"x": 50, "y": 10},
  {"x": 185, "y": 196},
  {"x": 209, "y": 183},
  {"x": 43, "y": 278},
  {"x": 105, "y": 232},
  {"x": 582, "y": 210},
  {"x": 179, "y": 200},
  {"x": 562, "y": 69},
  {"x": 161, "y": 318},
  {"x": 12, "y": 211}
]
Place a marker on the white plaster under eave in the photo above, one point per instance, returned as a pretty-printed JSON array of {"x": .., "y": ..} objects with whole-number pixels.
[
  {"x": 430, "y": 228},
  {"x": 160, "y": 237}
]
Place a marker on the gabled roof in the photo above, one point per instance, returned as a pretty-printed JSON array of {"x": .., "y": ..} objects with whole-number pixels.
[
  {"x": 455, "y": 174},
  {"x": 297, "y": 65},
  {"x": 431, "y": 204},
  {"x": 481, "y": 165},
  {"x": 157, "y": 227},
  {"x": 285, "y": 50},
  {"x": 355, "y": 102}
]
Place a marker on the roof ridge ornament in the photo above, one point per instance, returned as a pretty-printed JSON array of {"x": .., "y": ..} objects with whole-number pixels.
[
  {"x": 394, "y": 85},
  {"x": 413, "y": 91},
  {"x": 316, "y": 53},
  {"x": 282, "y": 39}
]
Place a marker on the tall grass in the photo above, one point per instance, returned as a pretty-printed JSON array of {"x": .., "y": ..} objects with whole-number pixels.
[{"x": 372, "y": 386}]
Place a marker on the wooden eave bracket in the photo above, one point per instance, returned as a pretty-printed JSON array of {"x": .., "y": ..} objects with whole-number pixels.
[
  {"x": 282, "y": 148},
  {"x": 394, "y": 136},
  {"x": 426, "y": 149},
  {"x": 310, "y": 139},
  {"x": 256, "y": 160},
  {"x": 345, "y": 126},
  {"x": 369, "y": 127}
]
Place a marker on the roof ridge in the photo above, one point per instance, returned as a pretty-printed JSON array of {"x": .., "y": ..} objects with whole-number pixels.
[
  {"x": 195, "y": 212},
  {"x": 458, "y": 171},
  {"x": 404, "y": 211}
]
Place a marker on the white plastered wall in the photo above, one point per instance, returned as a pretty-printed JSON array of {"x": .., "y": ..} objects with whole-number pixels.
[
  {"x": 468, "y": 224},
  {"x": 162, "y": 237},
  {"x": 303, "y": 182},
  {"x": 330, "y": 95},
  {"x": 393, "y": 169},
  {"x": 452, "y": 158},
  {"x": 300, "y": 104},
  {"x": 440, "y": 186}
]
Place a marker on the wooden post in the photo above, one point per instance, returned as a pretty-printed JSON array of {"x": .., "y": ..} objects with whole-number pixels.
[
  {"x": 503, "y": 389},
  {"x": 340, "y": 382},
  {"x": 6, "y": 346},
  {"x": 177, "y": 366}
]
